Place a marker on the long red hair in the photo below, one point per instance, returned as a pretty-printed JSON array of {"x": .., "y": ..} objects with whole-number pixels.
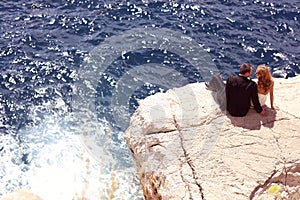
[{"x": 265, "y": 80}]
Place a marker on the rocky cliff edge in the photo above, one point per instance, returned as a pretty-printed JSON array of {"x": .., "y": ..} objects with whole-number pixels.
[{"x": 185, "y": 147}]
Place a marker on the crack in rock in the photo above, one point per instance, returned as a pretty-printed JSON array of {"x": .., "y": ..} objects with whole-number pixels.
[
  {"x": 288, "y": 177},
  {"x": 190, "y": 164}
]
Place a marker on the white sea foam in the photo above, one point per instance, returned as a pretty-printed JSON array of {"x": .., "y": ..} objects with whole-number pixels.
[{"x": 52, "y": 160}]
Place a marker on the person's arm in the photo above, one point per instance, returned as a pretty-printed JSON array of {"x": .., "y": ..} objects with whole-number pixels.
[
  {"x": 254, "y": 97},
  {"x": 272, "y": 96},
  {"x": 227, "y": 89},
  {"x": 256, "y": 103},
  {"x": 229, "y": 95}
]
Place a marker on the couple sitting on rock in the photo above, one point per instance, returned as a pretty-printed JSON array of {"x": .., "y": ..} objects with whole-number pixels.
[{"x": 240, "y": 93}]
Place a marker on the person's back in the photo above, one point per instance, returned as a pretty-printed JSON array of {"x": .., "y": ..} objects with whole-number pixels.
[
  {"x": 240, "y": 91},
  {"x": 265, "y": 85}
]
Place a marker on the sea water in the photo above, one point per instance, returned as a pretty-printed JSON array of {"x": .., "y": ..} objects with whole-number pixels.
[{"x": 72, "y": 73}]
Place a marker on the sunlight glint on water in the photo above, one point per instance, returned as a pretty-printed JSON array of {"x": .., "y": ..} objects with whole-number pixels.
[
  {"x": 52, "y": 162},
  {"x": 42, "y": 44}
]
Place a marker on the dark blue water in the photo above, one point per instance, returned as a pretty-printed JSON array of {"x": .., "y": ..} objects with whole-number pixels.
[{"x": 44, "y": 44}]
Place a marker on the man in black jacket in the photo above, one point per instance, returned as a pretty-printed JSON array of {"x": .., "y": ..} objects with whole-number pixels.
[{"x": 240, "y": 90}]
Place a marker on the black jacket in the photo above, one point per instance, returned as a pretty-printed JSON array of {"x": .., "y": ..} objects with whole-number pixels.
[{"x": 239, "y": 93}]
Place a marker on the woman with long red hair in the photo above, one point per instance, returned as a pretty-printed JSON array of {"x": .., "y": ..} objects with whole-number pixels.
[{"x": 265, "y": 85}]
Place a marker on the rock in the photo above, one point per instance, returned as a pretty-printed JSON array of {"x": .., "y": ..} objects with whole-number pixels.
[
  {"x": 185, "y": 147},
  {"x": 21, "y": 195}
]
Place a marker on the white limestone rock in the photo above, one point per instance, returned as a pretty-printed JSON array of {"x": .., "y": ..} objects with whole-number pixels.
[
  {"x": 185, "y": 147},
  {"x": 21, "y": 194}
]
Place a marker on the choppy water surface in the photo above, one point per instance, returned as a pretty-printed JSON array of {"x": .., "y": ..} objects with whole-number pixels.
[{"x": 55, "y": 144}]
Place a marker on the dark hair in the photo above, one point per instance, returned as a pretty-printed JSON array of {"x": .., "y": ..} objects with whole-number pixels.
[{"x": 245, "y": 68}]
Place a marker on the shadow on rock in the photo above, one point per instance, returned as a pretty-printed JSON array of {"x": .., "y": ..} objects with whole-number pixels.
[
  {"x": 253, "y": 120},
  {"x": 217, "y": 88}
]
